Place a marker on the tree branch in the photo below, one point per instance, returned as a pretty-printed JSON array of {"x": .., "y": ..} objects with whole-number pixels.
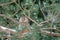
[
  {"x": 44, "y": 30},
  {"x": 9, "y": 18},
  {"x": 5, "y": 29}
]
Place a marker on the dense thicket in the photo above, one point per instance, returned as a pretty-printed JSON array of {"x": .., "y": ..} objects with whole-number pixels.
[{"x": 43, "y": 17}]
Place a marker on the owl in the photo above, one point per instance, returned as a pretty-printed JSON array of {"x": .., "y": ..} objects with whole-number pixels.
[{"x": 23, "y": 24}]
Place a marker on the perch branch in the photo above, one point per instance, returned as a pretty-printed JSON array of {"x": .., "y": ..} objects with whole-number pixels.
[{"x": 5, "y": 29}]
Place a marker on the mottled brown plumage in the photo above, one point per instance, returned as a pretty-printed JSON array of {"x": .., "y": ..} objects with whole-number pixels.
[{"x": 23, "y": 24}]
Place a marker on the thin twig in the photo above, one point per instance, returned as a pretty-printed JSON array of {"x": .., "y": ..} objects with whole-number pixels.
[
  {"x": 9, "y": 18},
  {"x": 44, "y": 30},
  {"x": 3, "y": 4},
  {"x": 15, "y": 12},
  {"x": 49, "y": 6},
  {"x": 41, "y": 10}
]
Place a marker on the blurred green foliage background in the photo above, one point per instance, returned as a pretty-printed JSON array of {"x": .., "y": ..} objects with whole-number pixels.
[{"x": 38, "y": 10}]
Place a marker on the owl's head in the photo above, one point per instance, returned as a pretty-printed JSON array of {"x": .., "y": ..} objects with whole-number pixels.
[{"x": 24, "y": 21}]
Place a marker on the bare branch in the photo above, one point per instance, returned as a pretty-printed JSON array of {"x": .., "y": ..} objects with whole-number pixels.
[
  {"x": 44, "y": 30},
  {"x": 5, "y": 3},
  {"x": 5, "y": 29},
  {"x": 9, "y": 18}
]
